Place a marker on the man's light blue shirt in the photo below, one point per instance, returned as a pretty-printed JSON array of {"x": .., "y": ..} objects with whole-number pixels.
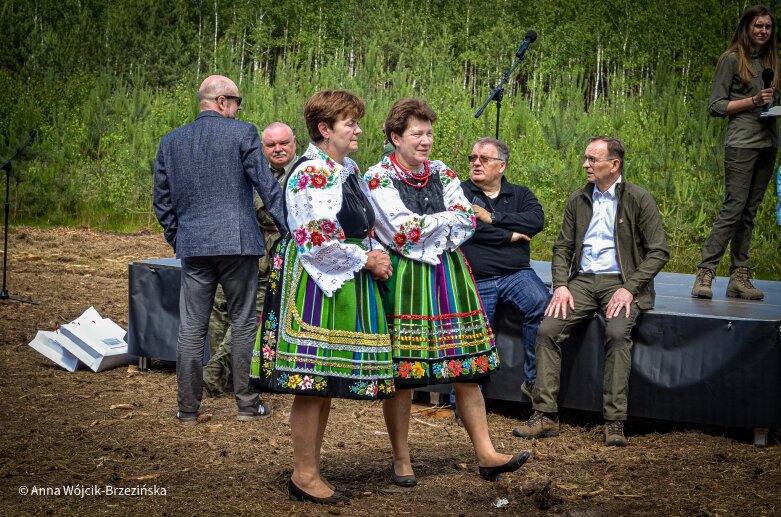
[{"x": 599, "y": 246}]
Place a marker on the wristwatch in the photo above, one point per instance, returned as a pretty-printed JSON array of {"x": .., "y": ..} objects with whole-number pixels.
[{"x": 493, "y": 217}]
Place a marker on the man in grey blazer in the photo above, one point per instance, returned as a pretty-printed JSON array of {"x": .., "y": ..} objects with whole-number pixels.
[{"x": 204, "y": 175}]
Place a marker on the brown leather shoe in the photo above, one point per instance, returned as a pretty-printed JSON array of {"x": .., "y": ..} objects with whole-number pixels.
[
  {"x": 702, "y": 284},
  {"x": 538, "y": 426},
  {"x": 614, "y": 433}
]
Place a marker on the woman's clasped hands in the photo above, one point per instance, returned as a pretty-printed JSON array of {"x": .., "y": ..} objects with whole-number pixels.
[{"x": 378, "y": 264}]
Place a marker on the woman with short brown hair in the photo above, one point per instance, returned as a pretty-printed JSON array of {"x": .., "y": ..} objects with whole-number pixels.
[
  {"x": 438, "y": 328},
  {"x": 323, "y": 332}
]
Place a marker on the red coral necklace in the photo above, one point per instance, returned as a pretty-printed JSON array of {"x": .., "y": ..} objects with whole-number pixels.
[{"x": 413, "y": 179}]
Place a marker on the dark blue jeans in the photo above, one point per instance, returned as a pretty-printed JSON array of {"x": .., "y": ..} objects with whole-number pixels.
[{"x": 528, "y": 295}]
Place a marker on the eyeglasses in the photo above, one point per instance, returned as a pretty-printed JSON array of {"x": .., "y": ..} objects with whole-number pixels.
[
  {"x": 591, "y": 160},
  {"x": 482, "y": 159},
  {"x": 231, "y": 97}
]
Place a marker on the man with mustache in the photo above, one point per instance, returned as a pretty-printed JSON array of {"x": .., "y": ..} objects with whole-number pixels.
[{"x": 279, "y": 147}]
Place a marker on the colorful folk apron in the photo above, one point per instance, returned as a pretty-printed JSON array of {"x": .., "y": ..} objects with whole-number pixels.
[
  {"x": 438, "y": 328},
  {"x": 312, "y": 344}
]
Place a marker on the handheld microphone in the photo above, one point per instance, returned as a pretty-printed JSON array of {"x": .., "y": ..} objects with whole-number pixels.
[
  {"x": 767, "y": 80},
  {"x": 529, "y": 39}
]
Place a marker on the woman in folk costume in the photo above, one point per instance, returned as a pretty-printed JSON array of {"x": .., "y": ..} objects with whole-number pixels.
[
  {"x": 438, "y": 328},
  {"x": 323, "y": 332}
]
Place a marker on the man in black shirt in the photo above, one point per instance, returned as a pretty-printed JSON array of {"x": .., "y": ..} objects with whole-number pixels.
[{"x": 508, "y": 216}]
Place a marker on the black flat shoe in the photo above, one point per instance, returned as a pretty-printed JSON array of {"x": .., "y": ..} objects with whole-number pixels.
[
  {"x": 296, "y": 494},
  {"x": 493, "y": 473},
  {"x": 403, "y": 481}
]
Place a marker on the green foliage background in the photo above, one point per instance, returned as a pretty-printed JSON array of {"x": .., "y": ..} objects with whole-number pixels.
[{"x": 103, "y": 81}]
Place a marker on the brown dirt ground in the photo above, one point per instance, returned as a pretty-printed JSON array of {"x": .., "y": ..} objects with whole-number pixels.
[{"x": 59, "y": 429}]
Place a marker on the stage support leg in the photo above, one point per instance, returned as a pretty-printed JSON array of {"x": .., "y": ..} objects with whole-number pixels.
[{"x": 760, "y": 437}]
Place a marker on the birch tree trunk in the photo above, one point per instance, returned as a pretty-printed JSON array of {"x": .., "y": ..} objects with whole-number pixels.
[
  {"x": 241, "y": 65},
  {"x": 200, "y": 41},
  {"x": 216, "y": 26},
  {"x": 598, "y": 77},
  {"x": 466, "y": 45},
  {"x": 319, "y": 35},
  {"x": 284, "y": 48}
]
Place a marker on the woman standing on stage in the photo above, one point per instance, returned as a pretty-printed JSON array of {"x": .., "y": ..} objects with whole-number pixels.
[
  {"x": 751, "y": 144},
  {"x": 438, "y": 328},
  {"x": 323, "y": 332}
]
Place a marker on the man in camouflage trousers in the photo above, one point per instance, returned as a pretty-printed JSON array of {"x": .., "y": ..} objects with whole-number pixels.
[{"x": 279, "y": 146}]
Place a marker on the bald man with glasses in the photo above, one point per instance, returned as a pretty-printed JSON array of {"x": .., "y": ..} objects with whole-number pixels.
[
  {"x": 205, "y": 173},
  {"x": 610, "y": 248},
  {"x": 279, "y": 148}
]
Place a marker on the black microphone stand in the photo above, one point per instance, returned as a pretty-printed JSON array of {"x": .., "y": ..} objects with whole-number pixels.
[
  {"x": 7, "y": 168},
  {"x": 498, "y": 92}
]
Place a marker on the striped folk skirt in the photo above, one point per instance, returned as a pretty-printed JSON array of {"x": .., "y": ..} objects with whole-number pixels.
[
  {"x": 438, "y": 328},
  {"x": 312, "y": 344}
]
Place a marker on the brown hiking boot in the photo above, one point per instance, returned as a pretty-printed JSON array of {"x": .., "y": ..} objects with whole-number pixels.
[
  {"x": 538, "y": 426},
  {"x": 740, "y": 285},
  {"x": 614, "y": 433},
  {"x": 702, "y": 284}
]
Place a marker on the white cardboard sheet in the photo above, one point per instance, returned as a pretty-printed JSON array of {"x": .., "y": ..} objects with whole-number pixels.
[
  {"x": 47, "y": 343},
  {"x": 97, "y": 342}
]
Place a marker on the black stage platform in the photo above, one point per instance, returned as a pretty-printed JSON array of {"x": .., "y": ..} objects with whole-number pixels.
[{"x": 701, "y": 361}]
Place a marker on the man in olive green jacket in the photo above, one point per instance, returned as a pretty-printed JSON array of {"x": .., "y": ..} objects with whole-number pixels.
[{"x": 610, "y": 247}]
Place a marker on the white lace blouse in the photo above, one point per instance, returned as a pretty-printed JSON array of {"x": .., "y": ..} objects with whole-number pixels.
[{"x": 314, "y": 197}]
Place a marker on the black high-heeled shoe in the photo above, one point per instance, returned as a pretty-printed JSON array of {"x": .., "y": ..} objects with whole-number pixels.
[
  {"x": 296, "y": 494},
  {"x": 493, "y": 473}
]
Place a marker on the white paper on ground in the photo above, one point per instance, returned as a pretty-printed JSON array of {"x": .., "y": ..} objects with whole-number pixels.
[
  {"x": 100, "y": 342},
  {"x": 85, "y": 355},
  {"x": 47, "y": 343}
]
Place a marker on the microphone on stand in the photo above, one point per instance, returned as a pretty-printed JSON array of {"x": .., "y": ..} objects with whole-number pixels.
[
  {"x": 767, "y": 80},
  {"x": 531, "y": 36},
  {"x": 7, "y": 163},
  {"x": 498, "y": 92}
]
